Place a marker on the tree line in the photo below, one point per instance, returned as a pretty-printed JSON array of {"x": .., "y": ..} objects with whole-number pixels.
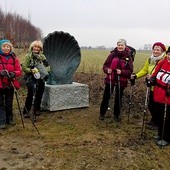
[{"x": 17, "y": 29}]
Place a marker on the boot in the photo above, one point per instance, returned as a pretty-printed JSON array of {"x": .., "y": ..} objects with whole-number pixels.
[{"x": 2, "y": 126}]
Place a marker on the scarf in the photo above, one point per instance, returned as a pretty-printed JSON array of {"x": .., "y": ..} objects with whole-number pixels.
[{"x": 154, "y": 60}]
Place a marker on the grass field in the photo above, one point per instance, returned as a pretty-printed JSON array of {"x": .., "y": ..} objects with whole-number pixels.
[{"x": 92, "y": 60}]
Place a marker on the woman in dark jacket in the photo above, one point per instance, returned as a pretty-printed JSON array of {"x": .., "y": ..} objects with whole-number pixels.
[{"x": 118, "y": 67}]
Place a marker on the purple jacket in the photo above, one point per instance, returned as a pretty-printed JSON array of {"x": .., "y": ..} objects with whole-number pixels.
[{"x": 118, "y": 60}]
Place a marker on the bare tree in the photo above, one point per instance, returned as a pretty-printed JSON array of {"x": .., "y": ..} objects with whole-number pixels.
[{"x": 17, "y": 29}]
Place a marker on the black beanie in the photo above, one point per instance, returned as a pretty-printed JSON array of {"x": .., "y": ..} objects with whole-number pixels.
[{"x": 168, "y": 50}]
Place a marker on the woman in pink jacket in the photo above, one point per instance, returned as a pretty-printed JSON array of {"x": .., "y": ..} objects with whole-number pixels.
[{"x": 10, "y": 68}]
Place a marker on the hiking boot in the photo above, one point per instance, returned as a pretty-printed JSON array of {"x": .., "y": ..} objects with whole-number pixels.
[
  {"x": 153, "y": 127},
  {"x": 101, "y": 117},
  {"x": 11, "y": 122},
  {"x": 26, "y": 115},
  {"x": 156, "y": 137},
  {"x": 162, "y": 143},
  {"x": 117, "y": 119},
  {"x": 38, "y": 113},
  {"x": 2, "y": 126},
  {"x": 150, "y": 123}
]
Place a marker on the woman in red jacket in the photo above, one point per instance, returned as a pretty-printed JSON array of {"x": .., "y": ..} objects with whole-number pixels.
[
  {"x": 118, "y": 67},
  {"x": 10, "y": 68},
  {"x": 161, "y": 78}
]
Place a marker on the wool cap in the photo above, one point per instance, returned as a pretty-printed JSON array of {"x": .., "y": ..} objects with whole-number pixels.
[
  {"x": 168, "y": 50},
  {"x": 8, "y": 43},
  {"x": 160, "y": 45}
]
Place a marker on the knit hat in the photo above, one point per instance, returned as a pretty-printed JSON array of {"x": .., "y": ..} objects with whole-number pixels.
[
  {"x": 1, "y": 42},
  {"x": 8, "y": 43},
  {"x": 160, "y": 45},
  {"x": 168, "y": 50}
]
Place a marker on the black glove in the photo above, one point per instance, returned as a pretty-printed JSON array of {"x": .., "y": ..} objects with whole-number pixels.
[
  {"x": 4, "y": 73},
  {"x": 168, "y": 89},
  {"x": 148, "y": 83},
  {"x": 45, "y": 62},
  {"x": 153, "y": 81},
  {"x": 12, "y": 74},
  {"x": 132, "y": 79}
]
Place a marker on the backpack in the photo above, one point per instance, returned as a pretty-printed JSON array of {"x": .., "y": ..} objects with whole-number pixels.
[{"x": 132, "y": 52}]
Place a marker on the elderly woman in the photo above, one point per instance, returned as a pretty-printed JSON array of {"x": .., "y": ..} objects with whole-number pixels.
[
  {"x": 158, "y": 53},
  {"x": 161, "y": 80},
  {"x": 10, "y": 69},
  {"x": 35, "y": 73},
  {"x": 118, "y": 67}
]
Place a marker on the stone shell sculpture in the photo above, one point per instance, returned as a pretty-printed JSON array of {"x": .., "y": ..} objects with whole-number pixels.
[{"x": 63, "y": 55}]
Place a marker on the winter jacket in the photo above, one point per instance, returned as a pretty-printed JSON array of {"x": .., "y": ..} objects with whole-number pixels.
[
  {"x": 162, "y": 75},
  {"x": 38, "y": 61},
  {"x": 148, "y": 68},
  {"x": 29, "y": 61},
  {"x": 118, "y": 60},
  {"x": 11, "y": 64}
]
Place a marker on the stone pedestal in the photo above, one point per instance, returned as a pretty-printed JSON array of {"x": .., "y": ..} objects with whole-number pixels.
[{"x": 66, "y": 96}]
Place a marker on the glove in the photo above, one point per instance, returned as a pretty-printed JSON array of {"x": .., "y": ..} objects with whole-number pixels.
[
  {"x": 12, "y": 74},
  {"x": 133, "y": 76},
  {"x": 153, "y": 81},
  {"x": 132, "y": 79},
  {"x": 168, "y": 89},
  {"x": 34, "y": 70},
  {"x": 148, "y": 83},
  {"x": 45, "y": 62},
  {"x": 4, "y": 73}
]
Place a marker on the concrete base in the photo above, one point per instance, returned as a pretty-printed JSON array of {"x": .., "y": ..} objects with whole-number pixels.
[{"x": 66, "y": 96}]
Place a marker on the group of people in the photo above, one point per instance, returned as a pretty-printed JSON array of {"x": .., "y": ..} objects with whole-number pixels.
[
  {"x": 34, "y": 67},
  {"x": 118, "y": 68}
]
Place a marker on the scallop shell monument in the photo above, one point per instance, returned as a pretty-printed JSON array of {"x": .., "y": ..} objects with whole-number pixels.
[{"x": 64, "y": 56}]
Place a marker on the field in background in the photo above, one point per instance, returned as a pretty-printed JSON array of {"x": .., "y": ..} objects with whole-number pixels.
[{"x": 92, "y": 60}]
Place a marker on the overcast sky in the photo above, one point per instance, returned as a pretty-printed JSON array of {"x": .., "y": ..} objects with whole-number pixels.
[{"x": 99, "y": 22}]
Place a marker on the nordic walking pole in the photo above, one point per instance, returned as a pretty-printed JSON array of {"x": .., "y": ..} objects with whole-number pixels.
[
  {"x": 165, "y": 111},
  {"x": 143, "y": 130},
  {"x": 32, "y": 121},
  {"x": 163, "y": 126},
  {"x": 17, "y": 96},
  {"x": 132, "y": 83},
  {"x": 110, "y": 85},
  {"x": 118, "y": 79}
]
